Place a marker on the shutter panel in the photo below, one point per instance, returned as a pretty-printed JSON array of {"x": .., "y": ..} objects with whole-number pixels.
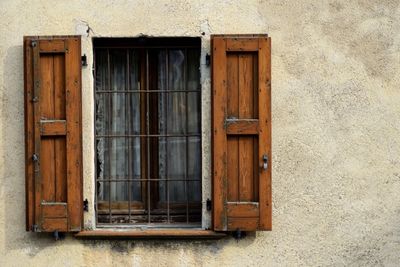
[
  {"x": 241, "y": 95},
  {"x": 53, "y": 133}
]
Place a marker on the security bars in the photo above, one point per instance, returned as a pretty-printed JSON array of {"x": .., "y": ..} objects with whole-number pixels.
[{"x": 147, "y": 132}]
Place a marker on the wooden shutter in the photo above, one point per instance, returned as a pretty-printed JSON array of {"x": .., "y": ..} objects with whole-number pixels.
[
  {"x": 53, "y": 133},
  {"x": 241, "y": 94}
]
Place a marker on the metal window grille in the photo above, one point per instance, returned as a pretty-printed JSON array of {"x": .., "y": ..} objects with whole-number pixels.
[{"x": 148, "y": 135}]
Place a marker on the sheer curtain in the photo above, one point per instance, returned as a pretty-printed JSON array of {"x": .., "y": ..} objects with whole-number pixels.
[{"x": 118, "y": 114}]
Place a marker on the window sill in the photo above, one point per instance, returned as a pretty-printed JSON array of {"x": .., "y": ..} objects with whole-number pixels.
[{"x": 150, "y": 234}]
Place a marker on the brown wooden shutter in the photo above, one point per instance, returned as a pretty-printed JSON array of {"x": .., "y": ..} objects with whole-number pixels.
[
  {"x": 241, "y": 94},
  {"x": 53, "y": 133}
]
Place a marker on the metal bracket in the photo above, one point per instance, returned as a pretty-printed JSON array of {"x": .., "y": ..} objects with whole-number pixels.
[
  {"x": 86, "y": 205},
  {"x": 208, "y": 59},
  {"x": 34, "y": 43},
  {"x": 238, "y": 234},
  {"x": 265, "y": 160},
  {"x": 84, "y": 60},
  {"x": 209, "y": 204},
  {"x": 35, "y": 157},
  {"x": 35, "y": 228}
]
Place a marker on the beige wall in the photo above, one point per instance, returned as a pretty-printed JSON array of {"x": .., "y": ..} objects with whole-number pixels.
[{"x": 336, "y": 129}]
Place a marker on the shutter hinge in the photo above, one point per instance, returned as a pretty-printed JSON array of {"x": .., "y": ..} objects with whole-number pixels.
[
  {"x": 34, "y": 43},
  {"x": 209, "y": 204},
  {"x": 35, "y": 157},
  {"x": 86, "y": 205},
  {"x": 238, "y": 234},
  {"x": 84, "y": 60},
  {"x": 208, "y": 59}
]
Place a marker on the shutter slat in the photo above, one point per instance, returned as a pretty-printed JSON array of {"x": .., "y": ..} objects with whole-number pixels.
[
  {"x": 219, "y": 139},
  {"x": 241, "y": 132},
  {"x": 74, "y": 138},
  {"x": 264, "y": 102},
  {"x": 53, "y": 133}
]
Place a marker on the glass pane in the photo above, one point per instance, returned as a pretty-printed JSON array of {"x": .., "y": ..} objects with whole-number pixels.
[
  {"x": 194, "y": 191},
  {"x": 194, "y": 158},
  {"x": 176, "y": 102},
  {"x": 101, "y": 68}
]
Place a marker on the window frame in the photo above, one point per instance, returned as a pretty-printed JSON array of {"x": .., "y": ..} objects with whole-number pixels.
[{"x": 142, "y": 44}]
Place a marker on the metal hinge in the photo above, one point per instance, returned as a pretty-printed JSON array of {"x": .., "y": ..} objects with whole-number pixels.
[
  {"x": 35, "y": 157},
  {"x": 35, "y": 228},
  {"x": 208, "y": 204},
  {"x": 33, "y": 43},
  {"x": 86, "y": 205}
]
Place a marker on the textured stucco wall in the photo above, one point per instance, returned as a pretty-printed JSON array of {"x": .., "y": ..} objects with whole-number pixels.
[{"x": 336, "y": 129}]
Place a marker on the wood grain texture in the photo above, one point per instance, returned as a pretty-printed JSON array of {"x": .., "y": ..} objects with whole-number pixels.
[
  {"x": 243, "y": 210},
  {"x": 246, "y": 103},
  {"x": 242, "y": 44},
  {"x": 51, "y": 128},
  {"x": 245, "y": 130},
  {"x": 74, "y": 133},
  {"x": 264, "y": 101},
  {"x": 52, "y": 46},
  {"x": 54, "y": 210},
  {"x": 242, "y": 127},
  {"x": 219, "y": 108},
  {"x": 29, "y": 131},
  {"x": 232, "y": 141},
  {"x": 47, "y": 131}
]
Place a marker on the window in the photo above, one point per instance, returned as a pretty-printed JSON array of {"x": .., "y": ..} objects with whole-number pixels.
[
  {"x": 148, "y": 136},
  {"x": 147, "y": 127}
]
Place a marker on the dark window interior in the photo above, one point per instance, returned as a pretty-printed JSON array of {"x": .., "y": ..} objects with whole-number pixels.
[{"x": 148, "y": 131}]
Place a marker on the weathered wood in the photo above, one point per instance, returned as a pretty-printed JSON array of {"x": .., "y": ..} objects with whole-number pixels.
[
  {"x": 54, "y": 224},
  {"x": 241, "y": 117},
  {"x": 243, "y": 210},
  {"x": 74, "y": 136},
  {"x": 36, "y": 129},
  {"x": 242, "y": 127},
  {"x": 242, "y": 44},
  {"x": 29, "y": 131},
  {"x": 59, "y": 115},
  {"x": 54, "y": 210},
  {"x": 51, "y": 128},
  {"x": 244, "y": 224},
  {"x": 232, "y": 141},
  {"x": 47, "y": 131},
  {"x": 265, "y": 190},
  {"x": 219, "y": 95},
  {"x": 52, "y": 46}
]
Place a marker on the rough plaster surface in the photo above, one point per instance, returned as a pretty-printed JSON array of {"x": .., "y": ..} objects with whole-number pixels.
[{"x": 336, "y": 129}]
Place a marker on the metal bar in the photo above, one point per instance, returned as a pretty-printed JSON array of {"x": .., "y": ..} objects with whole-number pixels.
[
  {"x": 146, "y": 46},
  {"x": 146, "y": 135},
  {"x": 151, "y": 179},
  {"x": 144, "y": 91},
  {"x": 127, "y": 130},
  {"x": 155, "y": 225},
  {"x": 187, "y": 138},
  {"x": 148, "y": 138},
  {"x": 109, "y": 123},
  {"x": 166, "y": 129},
  {"x": 95, "y": 140}
]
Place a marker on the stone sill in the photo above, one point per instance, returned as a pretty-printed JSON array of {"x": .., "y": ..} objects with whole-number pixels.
[{"x": 150, "y": 234}]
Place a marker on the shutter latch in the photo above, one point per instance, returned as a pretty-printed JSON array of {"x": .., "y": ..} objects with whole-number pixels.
[
  {"x": 265, "y": 160},
  {"x": 86, "y": 205},
  {"x": 208, "y": 204}
]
